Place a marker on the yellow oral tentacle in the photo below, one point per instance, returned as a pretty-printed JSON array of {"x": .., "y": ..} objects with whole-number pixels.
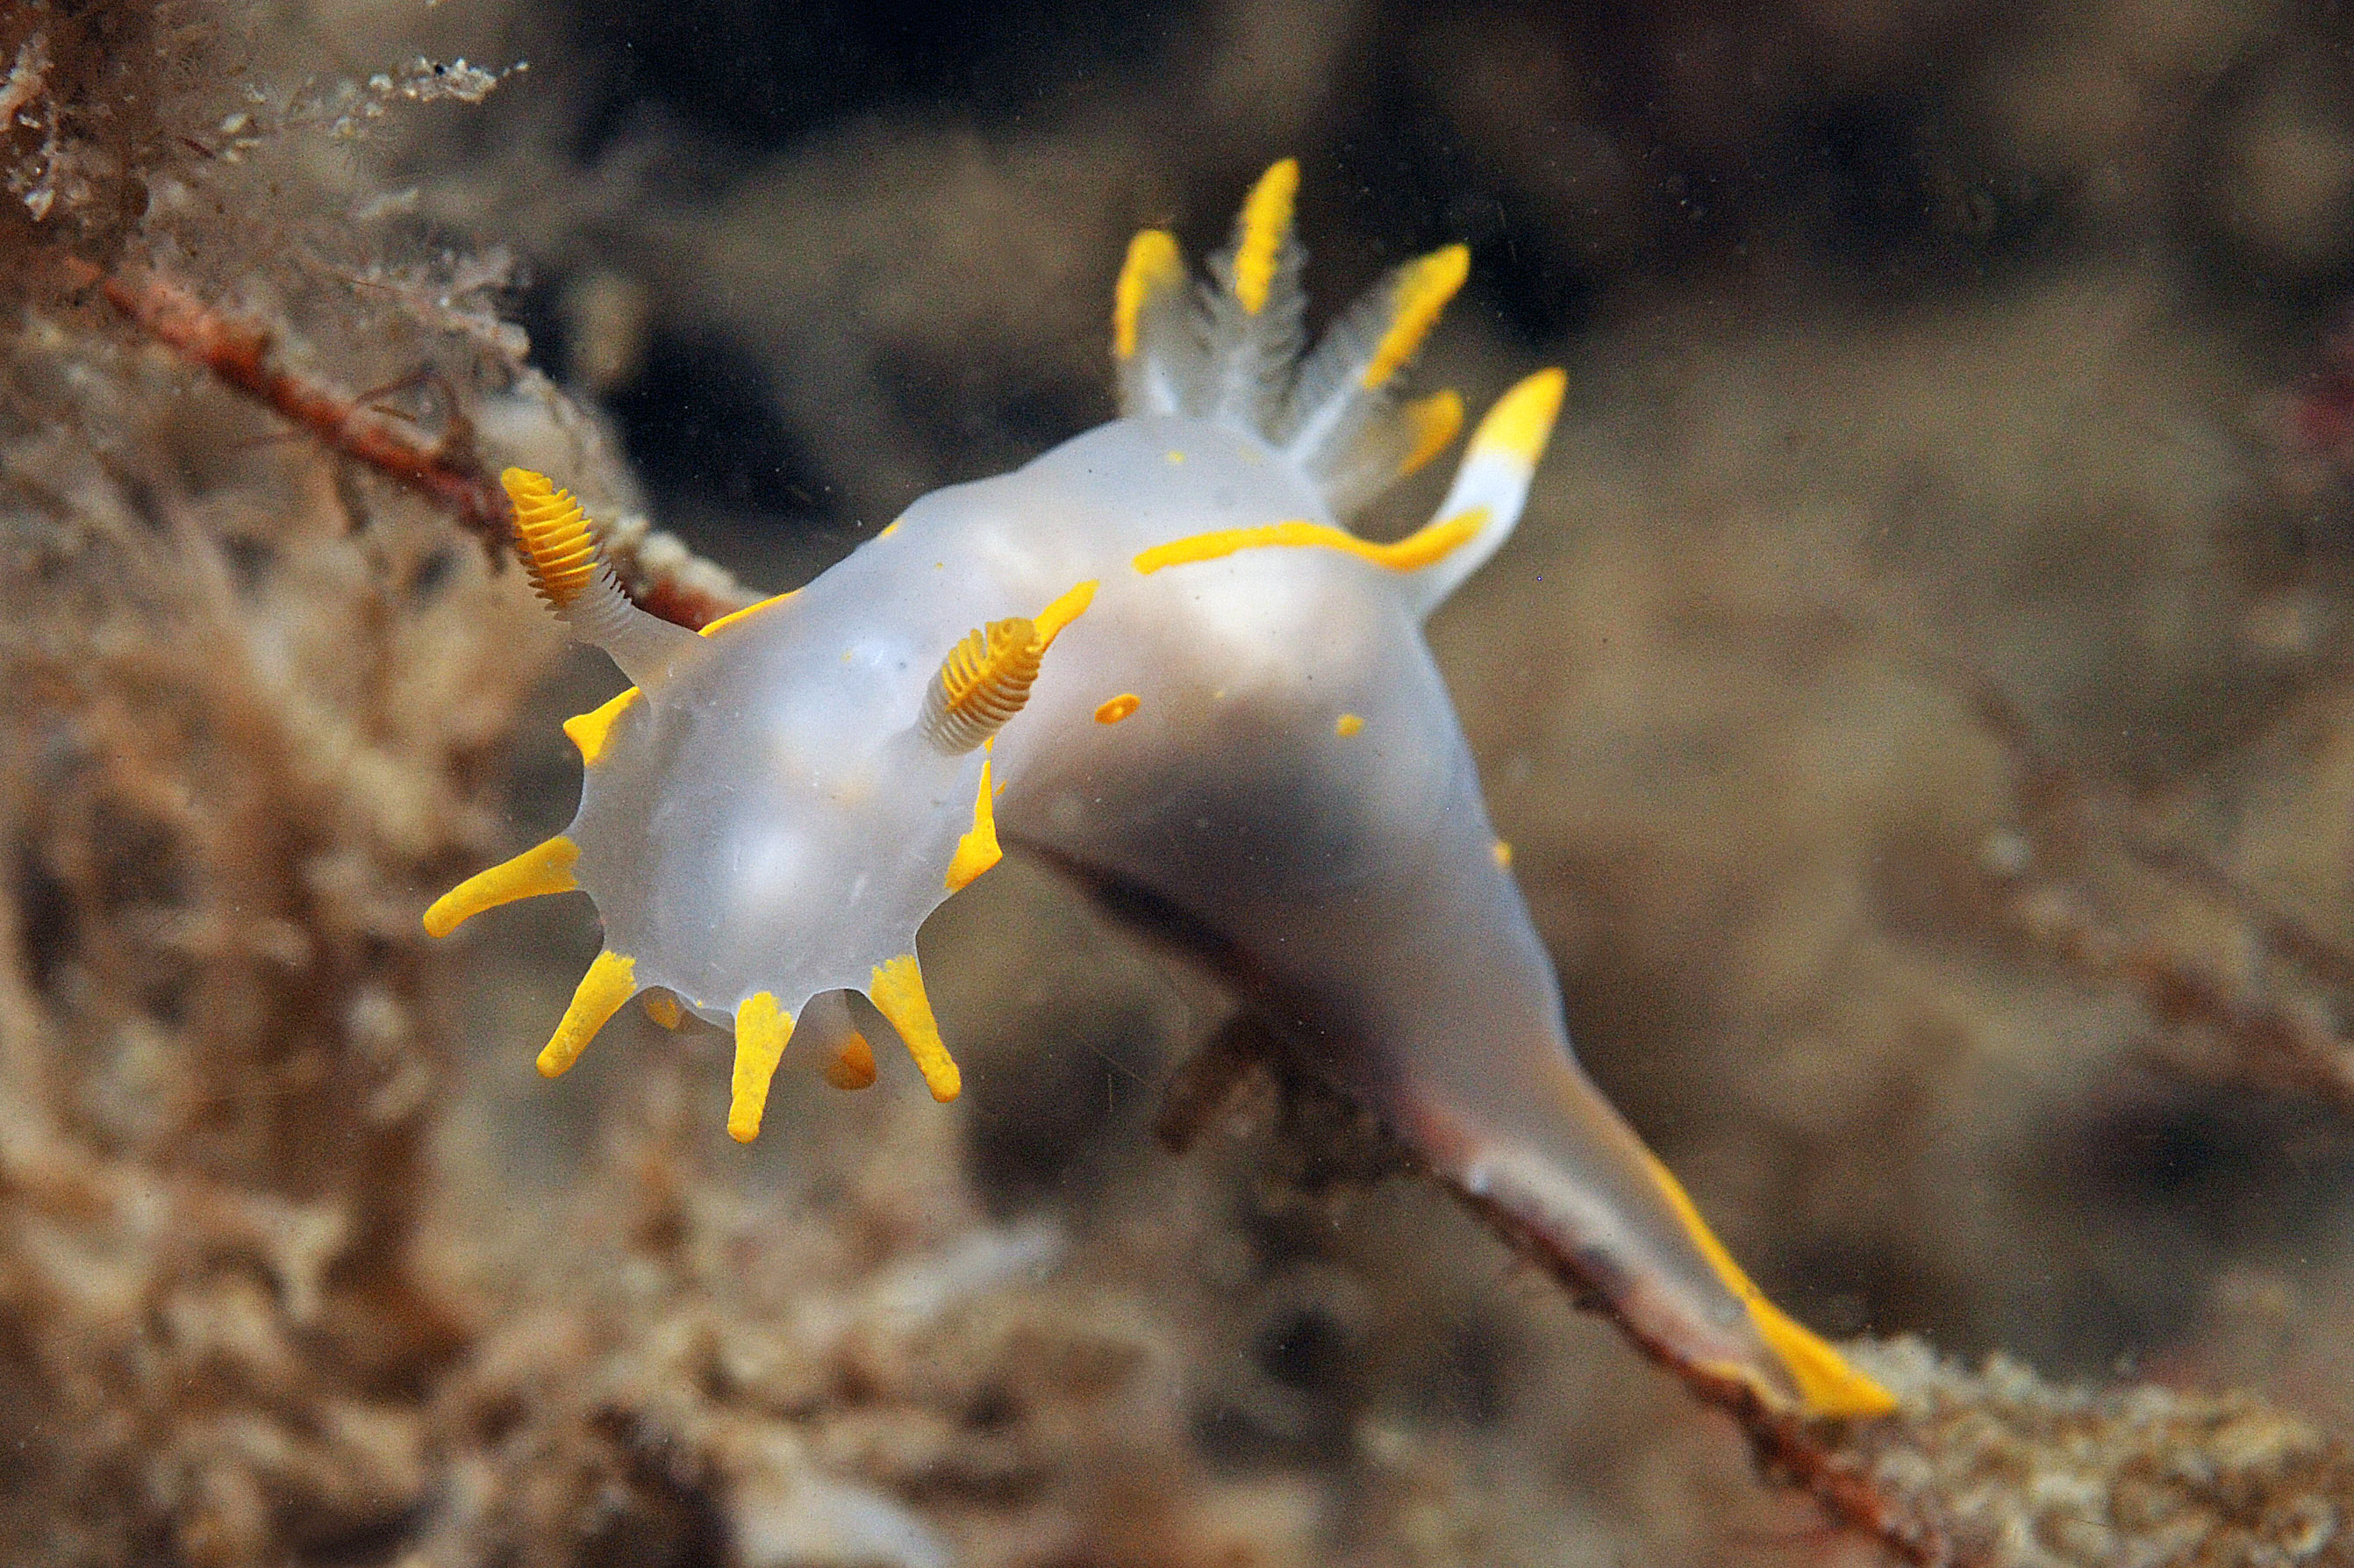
[
  {"x": 543, "y": 869},
  {"x": 611, "y": 982},
  {"x": 898, "y": 993},
  {"x": 762, "y": 1031}
]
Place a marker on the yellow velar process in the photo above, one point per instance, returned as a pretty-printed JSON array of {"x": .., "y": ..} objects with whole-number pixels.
[{"x": 1156, "y": 657}]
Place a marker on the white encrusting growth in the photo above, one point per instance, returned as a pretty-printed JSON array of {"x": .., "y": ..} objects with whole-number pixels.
[{"x": 1155, "y": 657}]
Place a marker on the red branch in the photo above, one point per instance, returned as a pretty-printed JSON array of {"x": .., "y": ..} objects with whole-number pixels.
[
  {"x": 447, "y": 471},
  {"x": 238, "y": 352}
]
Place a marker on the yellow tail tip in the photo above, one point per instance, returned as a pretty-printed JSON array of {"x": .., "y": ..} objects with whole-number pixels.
[{"x": 553, "y": 535}]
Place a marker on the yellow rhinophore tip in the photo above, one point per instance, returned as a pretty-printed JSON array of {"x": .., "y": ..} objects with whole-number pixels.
[
  {"x": 1265, "y": 220},
  {"x": 977, "y": 850},
  {"x": 852, "y": 1066},
  {"x": 542, "y": 869},
  {"x": 981, "y": 683},
  {"x": 591, "y": 732},
  {"x": 1521, "y": 421},
  {"x": 1416, "y": 301},
  {"x": 553, "y": 535},
  {"x": 1117, "y": 708},
  {"x": 1824, "y": 1380},
  {"x": 762, "y": 1029},
  {"x": 1433, "y": 422},
  {"x": 898, "y": 993},
  {"x": 611, "y": 982},
  {"x": 1154, "y": 263}
]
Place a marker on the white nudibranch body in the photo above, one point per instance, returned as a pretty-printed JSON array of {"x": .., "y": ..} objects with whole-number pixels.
[{"x": 1154, "y": 658}]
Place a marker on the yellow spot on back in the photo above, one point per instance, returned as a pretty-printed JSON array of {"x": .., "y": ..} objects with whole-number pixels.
[
  {"x": 540, "y": 870},
  {"x": 1153, "y": 264},
  {"x": 898, "y": 993},
  {"x": 762, "y": 1031},
  {"x": 1503, "y": 851},
  {"x": 1267, "y": 219},
  {"x": 1432, "y": 542},
  {"x": 593, "y": 731},
  {"x": 611, "y": 982},
  {"x": 1119, "y": 708},
  {"x": 733, "y": 616},
  {"x": 1348, "y": 725},
  {"x": 553, "y": 537},
  {"x": 891, "y": 529},
  {"x": 1421, "y": 293},
  {"x": 1827, "y": 1384},
  {"x": 1068, "y": 606},
  {"x": 1172, "y": 457},
  {"x": 1434, "y": 420},
  {"x": 1521, "y": 421},
  {"x": 852, "y": 1066},
  {"x": 977, "y": 850},
  {"x": 663, "y": 1009}
]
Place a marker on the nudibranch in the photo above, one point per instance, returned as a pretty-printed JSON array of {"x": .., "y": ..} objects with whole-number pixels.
[{"x": 1155, "y": 657}]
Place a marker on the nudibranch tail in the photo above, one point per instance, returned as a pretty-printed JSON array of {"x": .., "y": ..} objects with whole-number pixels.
[
  {"x": 1824, "y": 1381},
  {"x": 570, "y": 570},
  {"x": 543, "y": 869},
  {"x": 1493, "y": 481}
]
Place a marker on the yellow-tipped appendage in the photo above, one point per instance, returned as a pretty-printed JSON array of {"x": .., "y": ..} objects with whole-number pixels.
[
  {"x": 540, "y": 870},
  {"x": 593, "y": 731},
  {"x": 762, "y": 1031},
  {"x": 553, "y": 534},
  {"x": 1521, "y": 422},
  {"x": 1824, "y": 1380},
  {"x": 1416, "y": 301},
  {"x": 852, "y": 1066},
  {"x": 982, "y": 683},
  {"x": 1067, "y": 607},
  {"x": 1265, "y": 222},
  {"x": 977, "y": 850},
  {"x": 611, "y": 982},
  {"x": 1434, "y": 420},
  {"x": 1431, "y": 542},
  {"x": 898, "y": 993},
  {"x": 986, "y": 678},
  {"x": 1154, "y": 265}
]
